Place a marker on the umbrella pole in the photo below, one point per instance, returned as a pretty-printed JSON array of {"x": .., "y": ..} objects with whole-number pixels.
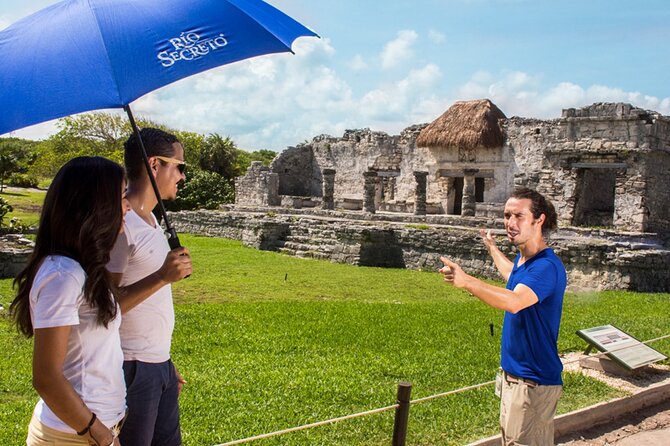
[{"x": 173, "y": 240}]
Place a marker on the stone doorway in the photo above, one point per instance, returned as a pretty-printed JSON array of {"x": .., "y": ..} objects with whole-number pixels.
[
  {"x": 594, "y": 204},
  {"x": 480, "y": 184},
  {"x": 458, "y": 183},
  {"x": 458, "y": 196}
]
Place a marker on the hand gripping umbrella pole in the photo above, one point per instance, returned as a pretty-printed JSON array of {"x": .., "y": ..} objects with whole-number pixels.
[{"x": 173, "y": 240}]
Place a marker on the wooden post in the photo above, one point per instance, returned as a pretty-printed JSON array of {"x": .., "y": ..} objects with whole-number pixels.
[{"x": 402, "y": 414}]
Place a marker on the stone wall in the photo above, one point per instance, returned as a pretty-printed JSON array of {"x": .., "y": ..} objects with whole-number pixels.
[
  {"x": 604, "y": 165},
  {"x": 597, "y": 260},
  {"x": 258, "y": 187},
  {"x": 355, "y": 153},
  {"x": 590, "y": 150},
  {"x": 14, "y": 253}
]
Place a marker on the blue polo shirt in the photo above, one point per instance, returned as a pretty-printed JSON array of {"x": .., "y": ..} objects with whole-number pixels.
[{"x": 529, "y": 337}]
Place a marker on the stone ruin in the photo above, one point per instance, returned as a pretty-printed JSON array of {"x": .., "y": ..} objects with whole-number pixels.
[
  {"x": 604, "y": 165},
  {"x": 370, "y": 198}
]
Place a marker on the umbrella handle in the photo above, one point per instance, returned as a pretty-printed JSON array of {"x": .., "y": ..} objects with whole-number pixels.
[{"x": 173, "y": 240}]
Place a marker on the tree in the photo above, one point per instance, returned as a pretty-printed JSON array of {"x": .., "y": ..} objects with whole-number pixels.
[
  {"x": 16, "y": 155},
  {"x": 8, "y": 165},
  {"x": 192, "y": 143},
  {"x": 202, "y": 190},
  {"x": 219, "y": 155},
  {"x": 87, "y": 134},
  {"x": 5, "y": 208},
  {"x": 245, "y": 158},
  {"x": 105, "y": 131}
]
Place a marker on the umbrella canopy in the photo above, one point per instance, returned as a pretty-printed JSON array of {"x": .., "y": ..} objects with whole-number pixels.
[{"x": 82, "y": 55}]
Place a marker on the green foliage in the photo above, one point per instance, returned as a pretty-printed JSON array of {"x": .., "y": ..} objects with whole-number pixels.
[
  {"x": 16, "y": 155},
  {"x": 87, "y": 134},
  {"x": 192, "y": 143},
  {"x": 218, "y": 155},
  {"x": 103, "y": 134},
  {"x": 202, "y": 190},
  {"x": 418, "y": 226},
  {"x": 266, "y": 341},
  {"x": 245, "y": 158},
  {"x": 22, "y": 180},
  {"x": 8, "y": 165},
  {"x": 5, "y": 208}
]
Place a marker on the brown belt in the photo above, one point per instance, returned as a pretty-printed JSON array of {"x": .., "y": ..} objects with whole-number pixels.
[{"x": 517, "y": 380}]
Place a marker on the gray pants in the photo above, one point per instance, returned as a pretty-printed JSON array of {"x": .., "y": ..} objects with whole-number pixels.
[{"x": 527, "y": 412}]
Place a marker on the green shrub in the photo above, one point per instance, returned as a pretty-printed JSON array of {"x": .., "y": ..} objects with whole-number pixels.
[
  {"x": 202, "y": 190},
  {"x": 5, "y": 208},
  {"x": 22, "y": 180}
]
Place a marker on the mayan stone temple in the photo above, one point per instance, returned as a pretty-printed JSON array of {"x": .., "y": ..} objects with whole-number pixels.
[{"x": 370, "y": 198}]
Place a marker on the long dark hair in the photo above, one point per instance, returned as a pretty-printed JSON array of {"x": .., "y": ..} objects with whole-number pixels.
[{"x": 81, "y": 218}]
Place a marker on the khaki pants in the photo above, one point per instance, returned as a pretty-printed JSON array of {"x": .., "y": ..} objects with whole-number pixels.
[
  {"x": 527, "y": 412},
  {"x": 42, "y": 435}
]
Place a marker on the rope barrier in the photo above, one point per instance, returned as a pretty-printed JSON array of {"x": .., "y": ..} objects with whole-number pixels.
[
  {"x": 309, "y": 426},
  {"x": 451, "y": 392},
  {"x": 395, "y": 406}
]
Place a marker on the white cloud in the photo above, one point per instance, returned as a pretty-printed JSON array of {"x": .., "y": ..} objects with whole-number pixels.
[
  {"x": 267, "y": 102},
  {"x": 518, "y": 93},
  {"x": 436, "y": 37},
  {"x": 399, "y": 49},
  {"x": 393, "y": 106},
  {"x": 35, "y": 132},
  {"x": 280, "y": 100},
  {"x": 357, "y": 63}
]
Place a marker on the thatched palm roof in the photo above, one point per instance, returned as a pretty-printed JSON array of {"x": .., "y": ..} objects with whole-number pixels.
[{"x": 467, "y": 125}]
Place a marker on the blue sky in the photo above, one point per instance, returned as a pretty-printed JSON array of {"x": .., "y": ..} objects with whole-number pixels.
[{"x": 390, "y": 64}]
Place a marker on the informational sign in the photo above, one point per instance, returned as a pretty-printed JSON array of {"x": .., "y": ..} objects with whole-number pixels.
[{"x": 620, "y": 346}]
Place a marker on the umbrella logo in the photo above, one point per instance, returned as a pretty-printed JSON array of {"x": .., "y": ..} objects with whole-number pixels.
[{"x": 189, "y": 46}]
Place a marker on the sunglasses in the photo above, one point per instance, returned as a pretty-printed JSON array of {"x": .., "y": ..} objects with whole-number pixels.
[{"x": 181, "y": 165}]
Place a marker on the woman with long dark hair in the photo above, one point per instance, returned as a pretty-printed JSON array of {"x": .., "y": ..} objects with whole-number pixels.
[{"x": 65, "y": 301}]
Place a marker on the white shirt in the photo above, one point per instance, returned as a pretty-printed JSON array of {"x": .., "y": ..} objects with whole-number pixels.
[
  {"x": 93, "y": 362},
  {"x": 146, "y": 331}
]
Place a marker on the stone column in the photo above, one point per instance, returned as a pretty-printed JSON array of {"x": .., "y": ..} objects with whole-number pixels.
[
  {"x": 328, "y": 201},
  {"x": 420, "y": 193},
  {"x": 369, "y": 191},
  {"x": 469, "y": 203}
]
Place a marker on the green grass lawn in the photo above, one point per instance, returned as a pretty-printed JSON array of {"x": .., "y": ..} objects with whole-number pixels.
[
  {"x": 26, "y": 203},
  {"x": 267, "y": 342}
]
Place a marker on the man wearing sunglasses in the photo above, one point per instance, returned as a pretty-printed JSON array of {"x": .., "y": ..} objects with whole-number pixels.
[{"x": 143, "y": 266}]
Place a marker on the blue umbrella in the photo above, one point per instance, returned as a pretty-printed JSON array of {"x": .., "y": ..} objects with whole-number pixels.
[{"x": 82, "y": 55}]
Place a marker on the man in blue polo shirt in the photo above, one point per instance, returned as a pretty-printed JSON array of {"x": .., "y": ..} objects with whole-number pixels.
[{"x": 533, "y": 301}]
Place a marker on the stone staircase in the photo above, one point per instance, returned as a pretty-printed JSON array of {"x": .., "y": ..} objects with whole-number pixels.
[{"x": 311, "y": 239}]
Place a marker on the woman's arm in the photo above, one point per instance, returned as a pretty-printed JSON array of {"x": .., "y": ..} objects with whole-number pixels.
[{"x": 56, "y": 391}]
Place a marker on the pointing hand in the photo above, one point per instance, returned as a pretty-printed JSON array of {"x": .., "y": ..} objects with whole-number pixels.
[{"x": 453, "y": 273}]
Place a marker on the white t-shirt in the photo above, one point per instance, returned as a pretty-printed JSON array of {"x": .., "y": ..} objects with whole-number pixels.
[
  {"x": 93, "y": 363},
  {"x": 146, "y": 331}
]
